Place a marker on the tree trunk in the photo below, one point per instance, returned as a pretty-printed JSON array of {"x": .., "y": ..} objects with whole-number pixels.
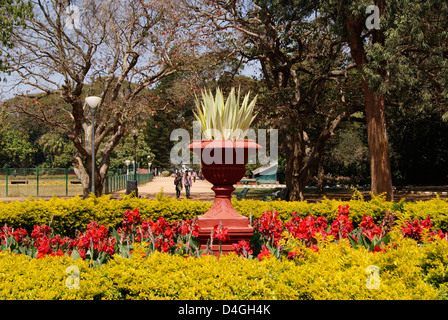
[
  {"x": 299, "y": 170},
  {"x": 380, "y": 172},
  {"x": 302, "y": 163},
  {"x": 294, "y": 148},
  {"x": 82, "y": 163},
  {"x": 320, "y": 178},
  {"x": 84, "y": 174}
]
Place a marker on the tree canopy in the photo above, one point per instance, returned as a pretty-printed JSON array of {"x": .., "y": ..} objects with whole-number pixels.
[{"x": 347, "y": 99}]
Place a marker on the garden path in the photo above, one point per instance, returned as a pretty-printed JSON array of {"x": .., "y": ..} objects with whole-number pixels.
[{"x": 200, "y": 190}]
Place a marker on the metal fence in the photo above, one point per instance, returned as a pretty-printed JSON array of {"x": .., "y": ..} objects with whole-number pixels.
[
  {"x": 118, "y": 182},
  {"x": 42, "y": 182}
]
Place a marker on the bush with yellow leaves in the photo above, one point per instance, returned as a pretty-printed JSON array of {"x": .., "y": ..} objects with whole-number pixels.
[
  {"x": 69, "y": 215},
  {"x": 336, "y": 271}
]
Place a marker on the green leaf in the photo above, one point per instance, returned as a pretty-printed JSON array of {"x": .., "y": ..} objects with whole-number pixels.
[
  {"x": 32, "y": 252},
  {"x": 220, "y": 119},
  {"x": 386, "y": 239},
  {"x": 367, "y": 241},
  {"x": 352, "y": 241},
  {"x": 75, "y": 254}
]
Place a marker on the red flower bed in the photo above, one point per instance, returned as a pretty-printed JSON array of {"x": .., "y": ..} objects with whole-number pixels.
[
  {"x": 369, "y": 235},
  {"x": 180, "y": 237}
]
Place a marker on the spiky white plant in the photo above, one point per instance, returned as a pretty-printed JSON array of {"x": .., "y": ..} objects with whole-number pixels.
[{"x": 224, "y": 120}]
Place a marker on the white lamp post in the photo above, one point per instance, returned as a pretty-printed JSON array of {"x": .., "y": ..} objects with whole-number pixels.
[
  {"x": 93, "y": 103},
  {"x": 128, "y": 162},
  {"x": 133, "y": 169}
]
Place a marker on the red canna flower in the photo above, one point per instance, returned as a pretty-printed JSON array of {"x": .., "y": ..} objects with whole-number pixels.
[
  {"x": 292, "y": 254},
  {"x": 342, "y": 225},
  {"x": 269, "y": 226},
  {"x": 242, "y": 248},
  {"x": 43, "y": 247},
  {"x": 343, "y": 210},
  {"x": 369, "y": 228},
  {"x": 220, "y": 233},
  {"x": 131, "y": 218},
  {"x": 82, "y": 253},
  {"x": 20, "y": 234},
  {"x": 412, "y": 229},
  {"x": 442, "y": 235},
  {"x": 378, "y": 249},
  {"x": 40, "y": 231},
  {"x": 264, "y": 254},
  {"x": 168, "y": 232},
  {"x": 165, "y": 247},
  {"x": 307, "y": 228}
]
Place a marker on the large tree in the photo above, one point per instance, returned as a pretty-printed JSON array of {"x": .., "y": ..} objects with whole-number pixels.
[
  {"x": 305, "y": 71},
  {"x": 119, "y": 48},
  {"x": 12, "y": 15},
  {"x": 403, "y": 50}
]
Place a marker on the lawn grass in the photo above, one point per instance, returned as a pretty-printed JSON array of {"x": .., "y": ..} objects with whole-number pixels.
[{"x": 47, "y": 188}]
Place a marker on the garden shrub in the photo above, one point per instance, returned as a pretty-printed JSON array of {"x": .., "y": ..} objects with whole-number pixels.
[
  {"x": 435, "y": 266},
  {"x": 69, "y": 215},
  {"x": 74, "y": 214},
  {"x": 376, "y": 208},
  {"x": 337, "y": 271},
  {"x": 323, "y": 264}
]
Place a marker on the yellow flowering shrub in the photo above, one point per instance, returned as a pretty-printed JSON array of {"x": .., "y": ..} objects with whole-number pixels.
[
  {"x": 328, "y": 208},
  {"x": 336, "y": 271},
  {"x": 74, "y": 214},
  {"x": 68, "y": 215}
]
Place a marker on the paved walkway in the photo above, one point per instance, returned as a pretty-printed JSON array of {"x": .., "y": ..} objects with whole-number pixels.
[{"x": 200, "y": 190}]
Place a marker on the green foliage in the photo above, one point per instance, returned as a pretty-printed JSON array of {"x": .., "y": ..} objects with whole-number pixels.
[
  {"x": 73, "y": 214},
  {"x": 435, "y": 266},
  {"x": 69, "y": 215},
  {"x": 126, "y": 150},
  {"x": 12, "y": 14},
  {"x": 157, "y": 137},
  {"x": 58, "y": 150},
  {"x": 18, "y": 150},
  {"x": 412, "y": 127},
  {"x": 363, "y": 241},
  {"x": 336, "y": 272},
  {"x": 347, "y": 153},
  {"x": 227, "y": 119}
]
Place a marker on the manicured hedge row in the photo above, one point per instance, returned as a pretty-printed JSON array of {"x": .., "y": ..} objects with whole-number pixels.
[
  {"x": 74, "y": 214},
  {"x": 337, "y": 271},
  {"x": 68, "y": 215},
  {"x": 376, "y": 207}
]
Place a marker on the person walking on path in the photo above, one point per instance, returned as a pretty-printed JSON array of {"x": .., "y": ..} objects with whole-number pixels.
[
  {"x": 178, "y": 184},
  {"x": 187, "y": 183}
]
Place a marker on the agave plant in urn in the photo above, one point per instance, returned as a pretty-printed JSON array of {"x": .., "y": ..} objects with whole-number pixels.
[{"x": 224, "y": 153}]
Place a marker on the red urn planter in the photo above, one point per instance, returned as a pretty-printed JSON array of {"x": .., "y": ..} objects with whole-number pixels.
[{"x": 223, "y": 164}]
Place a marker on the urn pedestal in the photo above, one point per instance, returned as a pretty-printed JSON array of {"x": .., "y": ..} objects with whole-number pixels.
[{"x": 223, "y": 164}]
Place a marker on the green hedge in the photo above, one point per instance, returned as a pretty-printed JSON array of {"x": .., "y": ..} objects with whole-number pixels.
[
  {"x": 68, "y": 215},
  {"x": 74, "y": 214},
  {"x": 337, "y": 271}
]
